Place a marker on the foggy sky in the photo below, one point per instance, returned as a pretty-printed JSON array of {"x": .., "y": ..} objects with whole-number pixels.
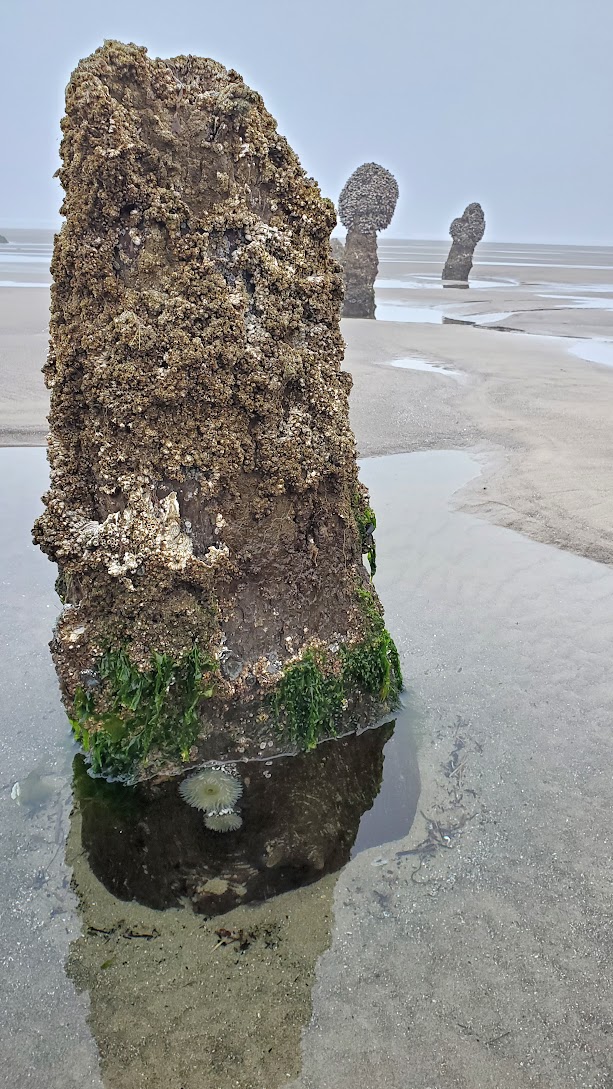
[{"x": 507, "y": 102}]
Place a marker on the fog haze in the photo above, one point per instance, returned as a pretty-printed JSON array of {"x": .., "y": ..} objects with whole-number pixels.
[{"x": 506, "y": 104}]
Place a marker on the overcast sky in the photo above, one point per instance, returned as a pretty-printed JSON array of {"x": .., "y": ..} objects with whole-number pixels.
[{"x": 508, "y": 102}]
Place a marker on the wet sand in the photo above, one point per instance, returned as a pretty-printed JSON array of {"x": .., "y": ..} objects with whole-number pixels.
[
  {"x": 541, "y": 416},
  {"x": 24, "y": 400},
  {"x": 488, "y": 963}
]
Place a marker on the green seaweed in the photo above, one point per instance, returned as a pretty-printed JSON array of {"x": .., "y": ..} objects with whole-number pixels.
[
  {"x": 143, "y": 709},
  {"x": 308, "y": 701},
  {"x": 374, "y": 664},
  {"x": 366, "y": 521}
]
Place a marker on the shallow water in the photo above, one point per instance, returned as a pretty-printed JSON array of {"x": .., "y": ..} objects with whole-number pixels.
[
  {"x": 399, "y": 311},
  {"x": 411, "y": 364},
  {"x": 594, "y": 351},
  {"x": 534, "y": 296},
  {"x": 580, "y": 302},
  {"x": 489, "y": 318},
  {"x": 513, "y": 636},
  {"x": 23, "y": 283},
  {"x": 430, "y": 280},
  {"x": 303, "y": 818}
]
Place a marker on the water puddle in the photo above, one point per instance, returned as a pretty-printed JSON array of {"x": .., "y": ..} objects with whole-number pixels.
[
  {"x": 192, "y": 956},
  {"x": 594, "y": 351},
  {"x": 541, "y": 264},
  {"x": 411, "y": 364},
  {"x": 488, "y": 319},
  {"x": 212, "y": 936},
  {"x": 399, "y": 311},
  {"x": 24, "y": 283},
  {"x": 299, "y": 818},
  {"x": 17, "y": 257},
  {"x": 563, "y": 290},
  {"x": 427, "y": 280},
  {"x": 579, "y": 302},
  {"x": 29, "y": 260}
]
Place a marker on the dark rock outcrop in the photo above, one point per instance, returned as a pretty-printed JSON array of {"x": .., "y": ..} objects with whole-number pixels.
[
  {"x": 366, "y": 205},
  {"x": 466, "y": 232},
  {"x": 204, "y": 511}
]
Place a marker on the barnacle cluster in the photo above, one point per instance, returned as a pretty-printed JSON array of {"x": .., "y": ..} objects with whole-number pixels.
[
  {"x": 468, "y": 229},
  {"x": 368, "y": 199}
]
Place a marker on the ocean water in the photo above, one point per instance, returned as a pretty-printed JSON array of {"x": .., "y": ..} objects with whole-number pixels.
[{"x": 25, "y": 258}]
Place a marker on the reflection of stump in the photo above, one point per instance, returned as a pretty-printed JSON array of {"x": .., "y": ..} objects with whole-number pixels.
[
  {"x": 300, "y": 819},
  {"x": 361, "y": 265},
  {"x": 466, "y": 231},
  {"x": 204, "y": 509},
  {"x": 366, "y": 205}
]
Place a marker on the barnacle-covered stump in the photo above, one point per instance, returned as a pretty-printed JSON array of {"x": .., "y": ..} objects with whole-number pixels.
[
  {"x": 466, "y": 232},
  {"x": 204, "y": 509},
  {"x": 366, "y": 205}
]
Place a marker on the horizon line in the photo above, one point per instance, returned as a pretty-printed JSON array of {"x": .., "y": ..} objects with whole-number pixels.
[{"x": 54, "y": 227}]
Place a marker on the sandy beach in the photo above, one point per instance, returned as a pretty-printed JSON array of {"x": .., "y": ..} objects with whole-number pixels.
[{"x": 474, "y": 951}]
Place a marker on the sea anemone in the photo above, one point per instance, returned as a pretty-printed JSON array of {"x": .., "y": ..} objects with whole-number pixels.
[
  {"x": 225, "y": 821},
  {"x": 211, "y": 790}
]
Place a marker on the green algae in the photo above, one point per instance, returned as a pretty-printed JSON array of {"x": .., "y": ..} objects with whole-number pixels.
[
  {"x": 308, "y": 700},
  {"x": 312, "y": 693},
  {"x": 143, "y": 710},
  {"x": 374, "y": 664},
  {"x": 366, "y": 521}
]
